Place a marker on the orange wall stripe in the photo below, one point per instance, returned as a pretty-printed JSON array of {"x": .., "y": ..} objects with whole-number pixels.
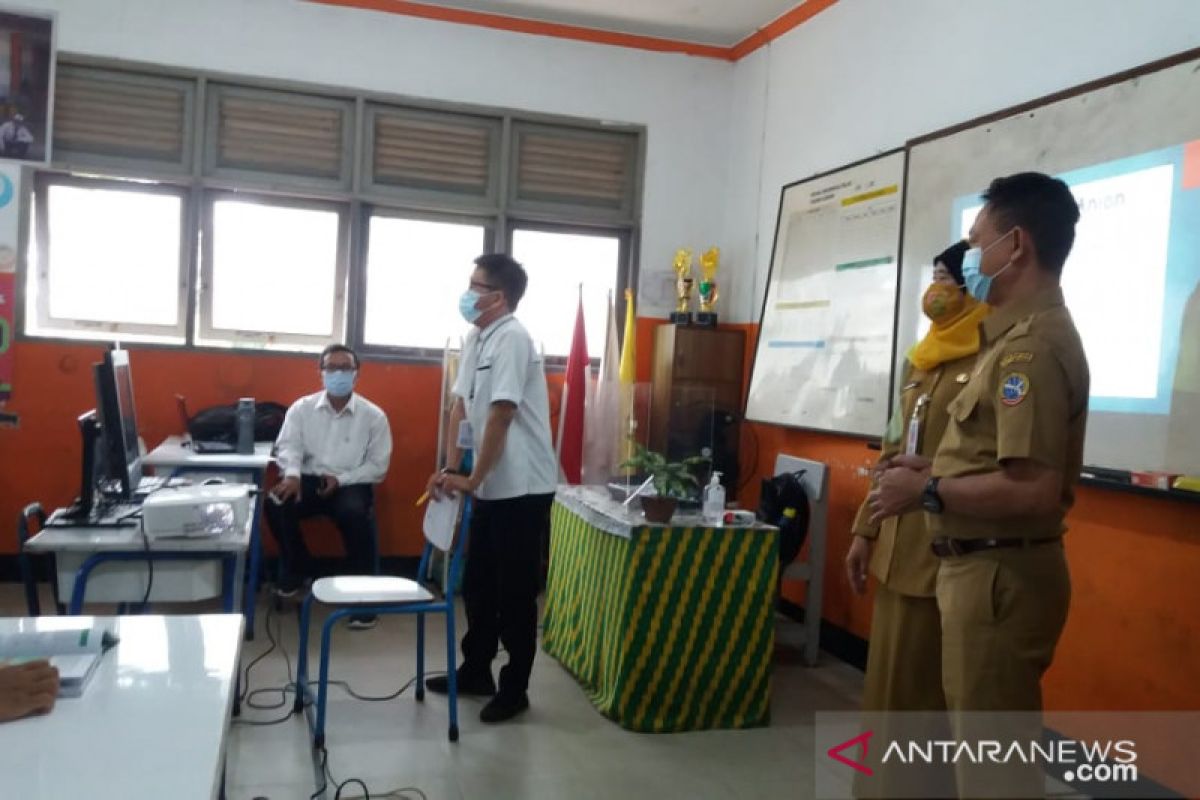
[
  {"x": 792, "y": 19},
  {"x": 798, "y": 15},
  {"x": 536, "y": 27}
]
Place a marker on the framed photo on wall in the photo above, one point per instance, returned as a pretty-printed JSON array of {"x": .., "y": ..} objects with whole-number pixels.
[{"x": 26, "y": 84}]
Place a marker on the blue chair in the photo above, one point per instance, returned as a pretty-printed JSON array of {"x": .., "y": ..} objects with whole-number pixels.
[
  {"x": 383, "y": 594},
  {"x": 34, "y": 511}
]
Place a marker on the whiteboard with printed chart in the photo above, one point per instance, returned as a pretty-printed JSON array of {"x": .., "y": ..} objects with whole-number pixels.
[{"x": 824, "y": 356}]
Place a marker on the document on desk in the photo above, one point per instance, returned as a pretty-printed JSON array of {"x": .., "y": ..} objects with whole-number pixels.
[
  {"x": 75, "y": 652},
  {"x": 440, "y": 519}
]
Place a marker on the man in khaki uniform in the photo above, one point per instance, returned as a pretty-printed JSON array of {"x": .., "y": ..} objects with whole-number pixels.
[{"x": 1002, "y": 478}]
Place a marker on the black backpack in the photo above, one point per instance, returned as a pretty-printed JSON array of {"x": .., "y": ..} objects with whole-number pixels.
[
  {"x": 784, "y": 504},
  {"x": 219, "y": 423}
]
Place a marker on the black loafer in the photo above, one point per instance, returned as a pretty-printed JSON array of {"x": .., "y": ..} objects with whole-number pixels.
[
  {"x": 504, "y": 707},
  {"x": 482, "y": 686}
]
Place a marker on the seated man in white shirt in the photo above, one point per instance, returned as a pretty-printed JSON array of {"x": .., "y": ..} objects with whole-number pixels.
[{"x": 333, "y": 447}]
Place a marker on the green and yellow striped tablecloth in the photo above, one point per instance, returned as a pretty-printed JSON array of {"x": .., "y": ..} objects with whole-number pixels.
[{"x": 667, "y": 628}]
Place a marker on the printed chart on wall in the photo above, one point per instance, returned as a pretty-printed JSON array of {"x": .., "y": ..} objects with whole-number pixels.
[{"x": 825, "y": 343}]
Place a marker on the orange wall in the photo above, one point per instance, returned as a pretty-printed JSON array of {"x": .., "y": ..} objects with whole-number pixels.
[{"x": 1132, "y": 640}]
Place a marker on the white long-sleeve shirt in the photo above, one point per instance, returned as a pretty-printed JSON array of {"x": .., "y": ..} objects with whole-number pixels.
[{"x": 353, "y": 445}]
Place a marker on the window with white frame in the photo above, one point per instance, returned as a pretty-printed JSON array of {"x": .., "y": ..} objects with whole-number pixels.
[
  {"x": 198, "y": 209},
  {"x": 562, "y": 267},
  {"x": 106, "y": 257},
  {"x": 415, "y": 271},
  {"x": 273, "y": 272}
]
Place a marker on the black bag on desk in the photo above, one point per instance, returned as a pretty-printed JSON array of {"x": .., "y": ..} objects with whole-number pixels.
[
  {"x": 784, "y": 504},
  {"x": 219, "y": 423}
]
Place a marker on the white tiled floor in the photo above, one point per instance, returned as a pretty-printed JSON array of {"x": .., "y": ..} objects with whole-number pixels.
[{"x": 562, "y": 748}]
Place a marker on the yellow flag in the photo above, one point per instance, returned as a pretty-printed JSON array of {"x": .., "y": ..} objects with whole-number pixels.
[{"x": 628, "y": 355}]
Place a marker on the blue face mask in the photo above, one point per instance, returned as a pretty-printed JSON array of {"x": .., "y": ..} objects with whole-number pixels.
[
  {"x": 978, "y": 284},
  {"x": 466, "y": 305},
  {"x": 337, "y": 382}
]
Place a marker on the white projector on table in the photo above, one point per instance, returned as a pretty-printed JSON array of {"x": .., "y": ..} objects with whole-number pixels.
[{"x": 197, "y": 510}]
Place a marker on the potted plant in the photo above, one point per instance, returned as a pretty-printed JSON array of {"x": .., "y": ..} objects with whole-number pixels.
[{"x": 671, "y": 480}]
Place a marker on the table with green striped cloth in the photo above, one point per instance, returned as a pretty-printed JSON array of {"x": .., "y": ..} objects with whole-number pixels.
[{"x": 667, "y": 628}]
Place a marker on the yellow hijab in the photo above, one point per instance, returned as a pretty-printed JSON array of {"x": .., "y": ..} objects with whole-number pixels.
[{"x": 950, "y": 339}]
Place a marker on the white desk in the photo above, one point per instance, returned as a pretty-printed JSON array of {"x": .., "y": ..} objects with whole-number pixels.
[
  {"x": 151, "y": 724},
  {"x": 88, "y": 545},
  {"x": 175, "y": 455}
]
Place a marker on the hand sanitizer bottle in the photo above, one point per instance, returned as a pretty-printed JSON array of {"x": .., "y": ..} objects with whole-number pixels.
[{"x": 714, "y": 501}]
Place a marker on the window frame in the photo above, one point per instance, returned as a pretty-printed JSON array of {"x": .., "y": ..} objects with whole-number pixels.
[
  {"x": 210, "y": 336},
  {"x": 405, "y": 352},
  {"x": 355, "y": 193},
  {"x": 626, "y": 267},
  {"x": 50, "y": 326}
]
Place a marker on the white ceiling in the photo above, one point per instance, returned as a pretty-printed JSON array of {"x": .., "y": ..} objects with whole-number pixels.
[{"x": 714, "y": 22}]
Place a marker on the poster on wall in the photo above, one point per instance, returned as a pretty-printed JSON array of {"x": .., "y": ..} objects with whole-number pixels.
[
  {"x": 10, "y": 181},
  {"x": 26, "y": 85},
  {"x": 824, "y": 353}
]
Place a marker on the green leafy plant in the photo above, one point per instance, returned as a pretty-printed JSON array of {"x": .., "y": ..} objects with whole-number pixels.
[{"x": 671, "y": 478}]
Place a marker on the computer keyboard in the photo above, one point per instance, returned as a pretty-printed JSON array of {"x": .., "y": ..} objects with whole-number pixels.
[{"x": 109, "y": 515}]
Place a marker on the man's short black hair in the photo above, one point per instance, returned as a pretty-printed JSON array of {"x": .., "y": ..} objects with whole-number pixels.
[
  {"x": 951, "y": 258},
  {"x": 505, "y": 274},
  {"x": 1041, "y": 206},
  {"x": 338, "y": 348}
]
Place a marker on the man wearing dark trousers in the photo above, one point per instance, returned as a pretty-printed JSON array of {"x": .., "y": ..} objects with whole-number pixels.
[
  {"x": 333, "y": 447},
  {"x": 502, "y": 413}
]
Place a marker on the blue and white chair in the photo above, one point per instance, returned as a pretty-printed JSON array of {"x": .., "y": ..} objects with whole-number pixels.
[{"x": 383, "y": 594}]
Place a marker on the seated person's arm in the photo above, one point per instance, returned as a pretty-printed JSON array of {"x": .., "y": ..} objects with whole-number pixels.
[
  {"x": 289, "y": 455},
  {"x": 26, "y": 689}
]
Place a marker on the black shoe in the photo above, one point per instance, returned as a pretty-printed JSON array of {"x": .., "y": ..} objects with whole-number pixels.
[
  {"x": 504, "y": 707},
  {"x": 362, "y": 622},
  {"x": 482, "y": 686}
]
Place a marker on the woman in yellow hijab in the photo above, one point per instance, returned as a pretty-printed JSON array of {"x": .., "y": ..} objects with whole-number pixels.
[{"x": 904, "y": 658}]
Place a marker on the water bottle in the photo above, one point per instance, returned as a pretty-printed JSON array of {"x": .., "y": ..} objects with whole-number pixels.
[
  {"x": 245, "y": 426},
  {"x": 714, "y": 501}
]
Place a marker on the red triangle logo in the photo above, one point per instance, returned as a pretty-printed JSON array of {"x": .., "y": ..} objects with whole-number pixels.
[{"x": 861, "y": 742}]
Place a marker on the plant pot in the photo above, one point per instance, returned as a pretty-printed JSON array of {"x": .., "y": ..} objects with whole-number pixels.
[{"x": 659, "y": 509}]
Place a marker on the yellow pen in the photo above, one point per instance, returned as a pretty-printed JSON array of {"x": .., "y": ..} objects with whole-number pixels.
[{"x": 421, "y": 500}]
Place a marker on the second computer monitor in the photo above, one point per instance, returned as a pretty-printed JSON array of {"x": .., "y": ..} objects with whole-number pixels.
[{"x": 114, "y": 398}]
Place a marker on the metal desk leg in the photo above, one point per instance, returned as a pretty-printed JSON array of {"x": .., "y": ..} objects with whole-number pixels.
[
  {"x": 239, "y": 580},
  {"x": 255, "y": 555}
]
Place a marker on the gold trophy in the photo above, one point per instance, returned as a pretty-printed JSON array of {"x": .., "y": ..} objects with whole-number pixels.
[
  {"x": 683, "y": 287},
  {"x": 708, "y": 288}
]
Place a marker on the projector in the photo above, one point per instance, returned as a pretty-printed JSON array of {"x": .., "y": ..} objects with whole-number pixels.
[{"x": 197, "y": 511}]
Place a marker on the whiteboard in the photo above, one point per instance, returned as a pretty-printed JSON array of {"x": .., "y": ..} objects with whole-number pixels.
[
  {"x": 1130, "y": 150},
  {"x": 824, "y": 354}
]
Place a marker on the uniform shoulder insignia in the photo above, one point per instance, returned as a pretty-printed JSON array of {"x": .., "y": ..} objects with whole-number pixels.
[
  {"x": 1014, "y": 388},
  {"x": 1019, "y": 357}
]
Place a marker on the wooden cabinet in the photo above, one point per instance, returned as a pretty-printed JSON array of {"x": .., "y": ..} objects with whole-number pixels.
[{"x": 696, "y": 398}]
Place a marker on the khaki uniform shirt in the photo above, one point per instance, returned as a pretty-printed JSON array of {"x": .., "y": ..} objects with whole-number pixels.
[
  {"x": 901, "y": 558},
  {"x": 1027, "y": 398}
]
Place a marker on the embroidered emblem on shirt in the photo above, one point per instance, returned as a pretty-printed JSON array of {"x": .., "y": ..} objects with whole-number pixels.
[
  {"x": 1023, "y": 357},
  {"x": 1014, "y": 388}
]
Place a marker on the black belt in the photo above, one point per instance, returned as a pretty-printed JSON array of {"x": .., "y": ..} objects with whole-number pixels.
[{"x": 944, "y": 547}]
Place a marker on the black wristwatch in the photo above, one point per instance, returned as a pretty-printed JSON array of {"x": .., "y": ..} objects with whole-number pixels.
[{"x": 931, "y": 501}]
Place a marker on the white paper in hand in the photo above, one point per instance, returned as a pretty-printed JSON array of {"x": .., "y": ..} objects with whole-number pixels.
[{"x": 440, "y": 518}]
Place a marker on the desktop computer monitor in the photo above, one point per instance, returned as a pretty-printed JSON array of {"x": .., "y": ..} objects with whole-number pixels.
[{"x": 118, "y": 424}]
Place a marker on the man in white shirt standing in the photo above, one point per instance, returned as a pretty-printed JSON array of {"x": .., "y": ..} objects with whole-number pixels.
[
  {"x": 502, "y": 413},
  {"x": 333, "y": 447}
]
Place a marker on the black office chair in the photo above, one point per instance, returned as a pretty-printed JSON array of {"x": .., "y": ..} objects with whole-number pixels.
[{"x": 34, "y": 511}]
